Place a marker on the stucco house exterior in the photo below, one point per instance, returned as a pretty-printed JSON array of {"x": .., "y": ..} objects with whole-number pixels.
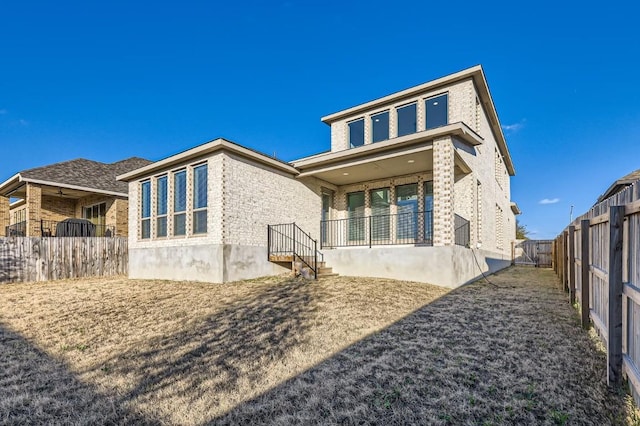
[
  {"x": 416, "y": 186},
  {"x": 36, "y": 201}
]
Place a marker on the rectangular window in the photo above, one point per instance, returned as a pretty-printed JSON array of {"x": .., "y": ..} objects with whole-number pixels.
[
  {"x": 428, "y": 211},
  {"x": 145, "y": 210},
  {"x": 356, "y": 133},
  {"x": 407, "y": 202},
  {"x": 162, "y": 206},
  {"x": 380, "y": 210},
  {"x": 200, "y": 199},
  {"x": 355, "y": 207},
  {"x": 180, "y": 203},
  {"x": 380, "y": 127},
  {"x": 437, "y": 111},
  {"x": 406, "y": 119}
]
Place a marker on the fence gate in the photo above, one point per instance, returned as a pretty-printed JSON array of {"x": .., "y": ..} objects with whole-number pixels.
[{"x": 534, "y": 253}]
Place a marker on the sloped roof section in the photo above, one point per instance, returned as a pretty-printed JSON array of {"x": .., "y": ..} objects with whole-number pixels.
[
  {"x": 87, "y": 173},
  {"x": 620, "y": 184}
]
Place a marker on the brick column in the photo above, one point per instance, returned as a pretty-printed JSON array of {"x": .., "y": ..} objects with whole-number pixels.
[
  {"x": 443, "y": 179},
  {"x": 4, "y": 215},
  {"x": 34, "y": 206}
]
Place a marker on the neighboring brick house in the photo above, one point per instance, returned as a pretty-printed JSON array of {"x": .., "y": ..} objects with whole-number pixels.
[
  {"x": 33, "y": 202},
  {"x": 620, "y": 185},
  {"x": 416, "y": 186}
]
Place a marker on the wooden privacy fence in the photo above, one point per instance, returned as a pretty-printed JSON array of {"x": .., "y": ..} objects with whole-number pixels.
[
  {"x": 44, "y": 259},
  {"x": 597, "y": 258}
]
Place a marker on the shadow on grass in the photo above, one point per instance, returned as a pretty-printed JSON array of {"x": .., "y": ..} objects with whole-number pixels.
[
  {"x": 214, "y": 359},
  {"x": 509, "y": 352},
  {"x": 37, "y": 389}
]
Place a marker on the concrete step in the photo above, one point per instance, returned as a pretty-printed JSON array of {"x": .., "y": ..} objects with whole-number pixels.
[{"x": 333, "y": 274}]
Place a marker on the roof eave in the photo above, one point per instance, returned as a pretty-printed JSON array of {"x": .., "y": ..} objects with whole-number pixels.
[
  {"x": 10, "y": 185},
  {"x": 433, "y": 84},
  {"x": 460, "y": 130},
  {"x": 219, "y": 144},
  {"x": 75, "y": 187}
]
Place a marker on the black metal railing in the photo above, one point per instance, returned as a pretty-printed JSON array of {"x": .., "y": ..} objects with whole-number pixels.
[
  {"x": 287, "y": 240},
  {"x": 17, "y": 229},
  {"x": 64, "y": 228},
  {"x": 412, "y": 227},
  {"x": 462, "y": 231}
]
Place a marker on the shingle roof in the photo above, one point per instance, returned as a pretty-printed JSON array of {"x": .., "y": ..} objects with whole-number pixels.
[
  {"x": 620, "y": 184},
  {"x": 87, "y": 173}
]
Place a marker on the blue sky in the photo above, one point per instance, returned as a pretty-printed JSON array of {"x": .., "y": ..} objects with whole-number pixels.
[{"x": 109, "y": 80}]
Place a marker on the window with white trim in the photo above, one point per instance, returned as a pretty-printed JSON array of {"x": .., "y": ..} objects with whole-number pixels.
[
  {"x": 180, "y": 203},
  {"x": 162, "y": 204},
  {"x": 200, "y": 199},
  {"x": 145, "y": 210},
  {"x": 175, "y": 204}
]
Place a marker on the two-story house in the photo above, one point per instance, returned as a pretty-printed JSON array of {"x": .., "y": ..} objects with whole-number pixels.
[{"x": 416, "y": 186}]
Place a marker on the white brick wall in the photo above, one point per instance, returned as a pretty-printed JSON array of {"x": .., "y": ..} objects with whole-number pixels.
[
  {"x": 461, "y": 106},
  {"x": 243, "y": 198},
  {"x": 494, "y": 190},
  {"x": 255, "y": 196}
]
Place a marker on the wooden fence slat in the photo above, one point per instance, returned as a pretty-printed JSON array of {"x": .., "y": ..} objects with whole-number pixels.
[
  {"x": 572, "y": 265},
  {"x": 584, "y": 266},
  {"x": 614, "y": 342}
]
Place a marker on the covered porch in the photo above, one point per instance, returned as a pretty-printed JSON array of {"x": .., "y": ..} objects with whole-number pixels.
[
  {"x": 29, "y": 209},
  {"x": 399, "y": 192}
]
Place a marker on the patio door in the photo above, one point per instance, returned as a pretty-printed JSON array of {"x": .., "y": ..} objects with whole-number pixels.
[
  {"x": 96, "y": 214},
  {"x": 428, "y": 212},
  {"x": 327, "y": 202},
  {"x": 355, "y": 208},
  {"x": 380, "y": 209},
  {"x": 407, "y": 202}
]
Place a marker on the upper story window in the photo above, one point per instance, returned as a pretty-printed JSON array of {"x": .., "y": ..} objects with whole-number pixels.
[
  {"x": 162, "y": 201},
  {"x": 145, "y": 210},
  {"x": 437, "y": 111},
  {"x": 200, "y": 199},
  {"x": 380, "y": 126},
  {"x": 407, "y": 119},
  {"x": 356, "y": 133}
]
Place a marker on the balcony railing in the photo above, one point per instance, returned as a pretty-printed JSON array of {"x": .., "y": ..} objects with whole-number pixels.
[
  {"x": 413, "y": 227},
  {"x": 65, "y": 228},
  {"x": 402, "y": 228}
]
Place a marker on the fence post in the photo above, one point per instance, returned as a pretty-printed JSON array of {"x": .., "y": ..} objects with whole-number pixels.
[
  {"x": 370, "y": 226},
  {"x": 565, "y": 269},
  {"x": 614, "y": 341},
  {"x": 584, "y": 290},
  {"x": 572, "y": 264}
]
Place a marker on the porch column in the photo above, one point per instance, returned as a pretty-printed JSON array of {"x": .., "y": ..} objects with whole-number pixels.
[
  {"x": 443, "y": 180},
  {"x": 34, "y": 206},
  {"x": 4, "y": 215}
]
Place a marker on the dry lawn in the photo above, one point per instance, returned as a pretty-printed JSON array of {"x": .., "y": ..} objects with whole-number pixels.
[{"x": 283, "y": 351}]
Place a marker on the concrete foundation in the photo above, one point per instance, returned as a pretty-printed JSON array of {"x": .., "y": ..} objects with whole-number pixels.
[
  {"x": 449, "y": 266},
  {"x": 215, "y": 263}
]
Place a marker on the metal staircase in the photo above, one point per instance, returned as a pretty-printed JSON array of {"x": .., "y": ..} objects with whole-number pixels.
[{"x": 288, "y": 243}]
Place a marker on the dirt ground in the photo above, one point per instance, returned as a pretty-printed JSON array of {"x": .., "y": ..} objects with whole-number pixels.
[{"x": 285, "y": 351}]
